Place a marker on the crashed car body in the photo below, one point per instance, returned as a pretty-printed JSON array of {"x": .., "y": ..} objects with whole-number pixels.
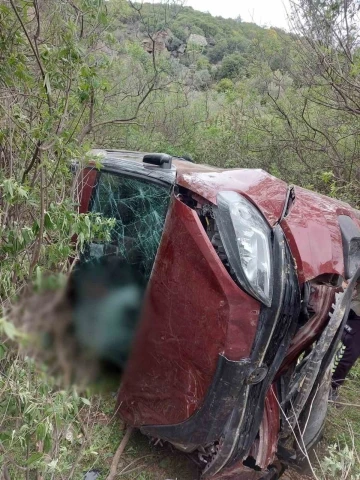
[{"x": 242, "y": 312}]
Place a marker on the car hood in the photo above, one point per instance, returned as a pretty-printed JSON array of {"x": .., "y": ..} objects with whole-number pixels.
[
  {"x": 313, "y": 232},
  {"x": 268, "y": 193},
  {"x": 311, "y": 226}
]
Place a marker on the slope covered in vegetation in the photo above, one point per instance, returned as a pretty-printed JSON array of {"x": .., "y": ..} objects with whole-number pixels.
[{"x": 78, "y": 74}]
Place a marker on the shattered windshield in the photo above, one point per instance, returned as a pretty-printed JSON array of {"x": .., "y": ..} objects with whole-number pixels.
[{"x": 139, "y": 208}]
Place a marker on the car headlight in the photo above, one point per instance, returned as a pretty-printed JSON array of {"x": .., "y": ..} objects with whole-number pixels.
[{"x": 246, "y": 237}]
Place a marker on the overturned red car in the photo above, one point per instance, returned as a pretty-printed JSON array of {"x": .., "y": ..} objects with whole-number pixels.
[{"x": 243, "y": 310}]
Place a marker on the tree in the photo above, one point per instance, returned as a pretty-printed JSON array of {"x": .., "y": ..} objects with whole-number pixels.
[
  {"x": 63, "y": 77},
  {"x": 225, "y": 85},
  {"x": 328, "y": 40},
  {"x": 327, "y": 68},
  {"x": 232, "y": 66}
]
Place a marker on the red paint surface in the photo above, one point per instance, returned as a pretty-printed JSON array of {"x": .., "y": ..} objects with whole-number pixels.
[
  {"x": 321, "y": 301},
  {"x": 193, "y": 312},
  {"x": 269, "y": 430},
  {"x": 85, "y": 185},
  {"x": 265, "y": 191},
  {"x": 314, "y": 235},
  {"x": 311, "y": 227}
]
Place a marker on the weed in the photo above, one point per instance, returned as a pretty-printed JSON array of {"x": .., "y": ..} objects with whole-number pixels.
[{"x": 342, "y": 433}]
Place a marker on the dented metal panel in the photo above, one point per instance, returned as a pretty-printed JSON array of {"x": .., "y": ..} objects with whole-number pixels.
[
  {"x": 210, "y": 364},
  {"x": 193, "y": 312},
  {"x": 314, "y": 235},
  {"x": 265, "y": 191}
]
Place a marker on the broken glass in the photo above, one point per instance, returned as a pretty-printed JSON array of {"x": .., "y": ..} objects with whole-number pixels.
[
  {"x": 139, "y": 209},
  {"x": 108, "y": 285}
]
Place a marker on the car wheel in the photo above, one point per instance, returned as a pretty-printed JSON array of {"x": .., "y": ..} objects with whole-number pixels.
[{"x": 315, "y": 412}]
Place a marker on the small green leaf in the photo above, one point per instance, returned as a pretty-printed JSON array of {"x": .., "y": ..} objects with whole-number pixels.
[
  {"x": 40, "y": 431},
  {"x": 22, "y": 192},
  {"x": 85, "y": 401},
  {"x": 9, "y": 330},
  {"x": 81, "y": 239},
  {"x": 5, "y": 436},
  {"x": 49, "y": 224},
  {"x": 34, "y": 457},
  {"x": 47, "y": 443},
  {"x": 47, "y": 83},
  {"x": 2, "y": 351}
]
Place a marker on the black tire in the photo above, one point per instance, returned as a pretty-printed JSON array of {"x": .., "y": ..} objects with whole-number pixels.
[
  {"x": 314, "y": 416},
  {"x": 312, "y": 422}
]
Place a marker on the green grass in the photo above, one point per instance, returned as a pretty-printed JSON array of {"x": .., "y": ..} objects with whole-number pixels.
[
  {"x": 344, "y": 419},
  {"x": 336, "y": 453},
  {"x": 59, "y": 434},
  {"x": 141, "y": 460},
  {"x": 85, "y": 436},
  {"x": 340, "y": 447}
]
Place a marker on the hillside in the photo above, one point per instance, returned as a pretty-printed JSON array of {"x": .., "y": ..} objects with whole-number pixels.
[
  {"x": 82, "y": 74},
  {"x": 246, "y": 91},
  {"x": 225, "y": 48}
]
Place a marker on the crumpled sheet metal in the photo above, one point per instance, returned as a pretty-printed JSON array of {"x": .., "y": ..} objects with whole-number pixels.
[
  {"x": 265, "y": 191},
  {"x": 321, "y": 301},
  {"x": 311, "y": 226},
  {"x": 192, "y": 313},
  {"x": 314, "y": 235},
  {"x": 264, "y": 448}
]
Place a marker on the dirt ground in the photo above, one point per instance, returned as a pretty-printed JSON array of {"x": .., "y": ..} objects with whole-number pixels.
[{"x": 166, "y": 463}]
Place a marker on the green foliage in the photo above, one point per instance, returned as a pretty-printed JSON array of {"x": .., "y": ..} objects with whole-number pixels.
[
  {"x": 232, "y": 66},
  {"x": 50, "y": 421},
  {"x": 341, "y": 463},
  {"x": 53, "y": 99},
  {"x": 225, "y": 85},
  {"x": 77, "y": 75},
  {"x": 216, "y": 54},
  {"x": 46, "y": 93},
  {"x": 342, "y": 434}
]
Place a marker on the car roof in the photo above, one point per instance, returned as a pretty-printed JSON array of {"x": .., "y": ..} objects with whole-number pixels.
[
  {"x": 263, "y": 189},
  {"x": 204, "y": 180},
  {"x": 117, "y": 158},
  {"x": 311, "y": 226}
]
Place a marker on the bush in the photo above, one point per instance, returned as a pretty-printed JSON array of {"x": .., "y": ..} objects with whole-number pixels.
[
  {"x": 225, "y": 85},
  {"x": 232, "y": 66}
]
